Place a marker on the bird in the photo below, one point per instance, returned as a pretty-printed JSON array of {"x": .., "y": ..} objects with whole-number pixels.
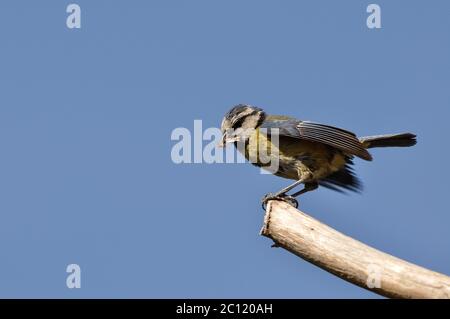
[{"x": 310, "y": 153}]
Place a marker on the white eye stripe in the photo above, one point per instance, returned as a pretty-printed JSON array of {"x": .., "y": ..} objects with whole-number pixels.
[{"x": 242, "y": 115}]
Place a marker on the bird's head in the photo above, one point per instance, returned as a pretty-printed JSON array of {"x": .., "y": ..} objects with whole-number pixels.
[{"x": 239, "y": 123}]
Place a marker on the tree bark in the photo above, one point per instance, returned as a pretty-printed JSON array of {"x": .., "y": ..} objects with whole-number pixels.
[{"x": 348, "y": 258}]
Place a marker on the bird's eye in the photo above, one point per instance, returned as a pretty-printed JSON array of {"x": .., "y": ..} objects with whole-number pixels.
[{"x": 239, "y": 122}]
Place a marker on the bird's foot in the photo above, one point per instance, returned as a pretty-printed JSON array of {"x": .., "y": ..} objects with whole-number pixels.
[{"x": 283, "y": 197}]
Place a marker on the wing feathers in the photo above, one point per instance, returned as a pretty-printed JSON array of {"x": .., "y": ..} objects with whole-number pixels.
[{"x": 335, "y": 137}]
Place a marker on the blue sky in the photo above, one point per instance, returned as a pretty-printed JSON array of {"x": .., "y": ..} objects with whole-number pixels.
[{"x": 86, "y": 117}]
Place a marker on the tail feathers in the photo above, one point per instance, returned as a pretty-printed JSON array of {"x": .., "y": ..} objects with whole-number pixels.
[{"x": 389, "y": 140}]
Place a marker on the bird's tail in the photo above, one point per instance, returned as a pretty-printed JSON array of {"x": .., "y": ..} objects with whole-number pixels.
[{"x": 389, "y": 140}]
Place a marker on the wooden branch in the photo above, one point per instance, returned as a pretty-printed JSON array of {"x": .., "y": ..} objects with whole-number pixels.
[{"x": 348, "y": 258}]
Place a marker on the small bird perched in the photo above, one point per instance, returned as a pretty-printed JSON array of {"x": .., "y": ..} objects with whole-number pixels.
[{"x": 310, "y": 153}]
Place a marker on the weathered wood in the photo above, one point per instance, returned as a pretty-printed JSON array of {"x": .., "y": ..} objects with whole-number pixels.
[{"x": 348, "y": 258}]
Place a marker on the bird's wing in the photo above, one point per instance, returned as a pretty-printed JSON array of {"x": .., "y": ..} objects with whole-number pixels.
[{"x": 335, "y": 137}]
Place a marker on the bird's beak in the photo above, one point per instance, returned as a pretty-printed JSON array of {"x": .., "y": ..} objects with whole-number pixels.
[{"x": 223, "y": 141}]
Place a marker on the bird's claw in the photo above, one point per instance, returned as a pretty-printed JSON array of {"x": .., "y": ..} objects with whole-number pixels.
[{"x": 285, "y": 198}]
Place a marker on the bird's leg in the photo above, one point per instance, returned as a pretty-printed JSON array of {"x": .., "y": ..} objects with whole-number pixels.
[
  {"x": 281, "y": 195},
  {"x": 288, "y": 188},
  {"x": 308, "y": 187}
]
